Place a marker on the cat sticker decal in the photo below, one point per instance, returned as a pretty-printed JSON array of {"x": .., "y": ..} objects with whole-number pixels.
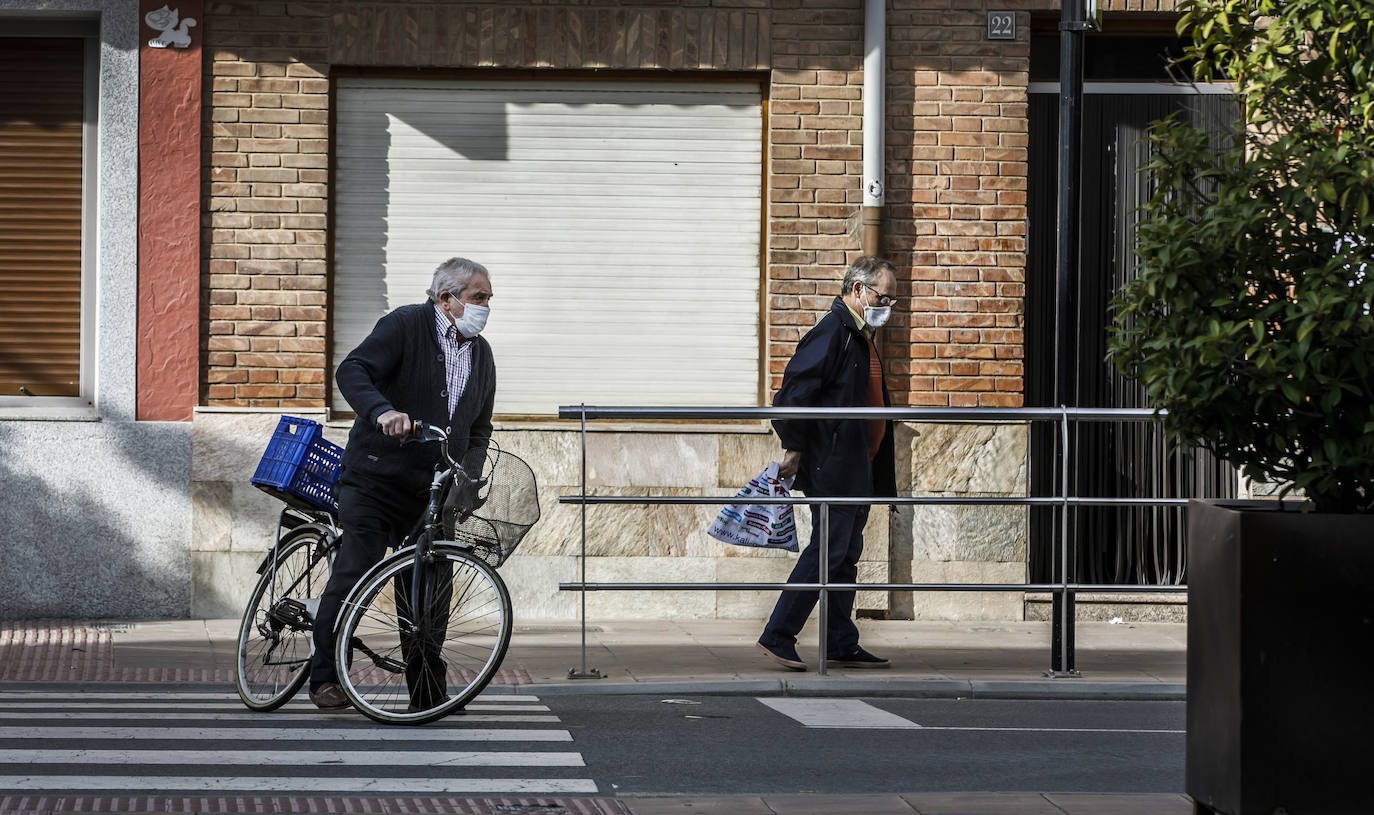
[{"x": 173, "y": 31}]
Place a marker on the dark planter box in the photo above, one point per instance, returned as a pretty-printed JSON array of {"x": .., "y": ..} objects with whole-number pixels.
[{"x": 1280, "y": 638}]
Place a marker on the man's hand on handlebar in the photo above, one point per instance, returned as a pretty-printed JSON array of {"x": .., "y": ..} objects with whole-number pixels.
[{"x": 394, "y": 423}]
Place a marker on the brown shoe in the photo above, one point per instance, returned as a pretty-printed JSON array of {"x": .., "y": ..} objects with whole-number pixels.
[{"x": 329, "y": 696}]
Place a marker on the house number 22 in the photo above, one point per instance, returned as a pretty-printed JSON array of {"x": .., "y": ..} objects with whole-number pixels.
[{"x": 1001, "y": 25}]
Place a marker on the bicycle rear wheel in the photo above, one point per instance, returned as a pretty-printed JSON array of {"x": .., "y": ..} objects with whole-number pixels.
[
  {"x": 274, "y": 636},
  {"x": 404, "y": 667}
]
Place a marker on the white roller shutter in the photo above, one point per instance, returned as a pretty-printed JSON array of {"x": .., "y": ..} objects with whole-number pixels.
[{"x": 620, "y": 221}]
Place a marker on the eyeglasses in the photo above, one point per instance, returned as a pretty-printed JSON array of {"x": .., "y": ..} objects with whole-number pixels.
[
  {"x": 883, "y": 299},
  {"x": 478, "y": 297}
]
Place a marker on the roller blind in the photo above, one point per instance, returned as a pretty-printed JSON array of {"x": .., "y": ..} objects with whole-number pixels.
[
  {"x": 41, "y": 115},
  {"x": 620, "y": 221}
]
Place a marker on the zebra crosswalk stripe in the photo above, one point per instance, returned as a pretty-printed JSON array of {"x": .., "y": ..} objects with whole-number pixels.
[
  {"x": 163, "y": 733},
  {"x": 258, "y": 758},
  {"x": 120, "y": 742},
  {"x": 148, "y": 716},
  {"x": 6, "y": 697},
  {"x": 40, "y": 705},
  {"x": 839, "y": 713},
  {"x": 147, "y": 784}
]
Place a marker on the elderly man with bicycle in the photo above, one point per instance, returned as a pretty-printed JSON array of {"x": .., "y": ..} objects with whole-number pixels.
[{"x": 423, "y": 362}]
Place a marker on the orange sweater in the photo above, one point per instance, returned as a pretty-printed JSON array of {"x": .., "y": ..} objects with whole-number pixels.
[{"x": 876, "y": 428}]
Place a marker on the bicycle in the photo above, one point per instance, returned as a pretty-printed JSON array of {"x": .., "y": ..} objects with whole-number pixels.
[
  {"x": 275, "y": 636},
  {"x": 425, "y": 630}
]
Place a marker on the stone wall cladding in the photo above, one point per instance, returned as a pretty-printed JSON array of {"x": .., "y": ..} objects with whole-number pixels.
[
  {"x": 956, "y": 165},
  {"x": 234, "y": 522}
]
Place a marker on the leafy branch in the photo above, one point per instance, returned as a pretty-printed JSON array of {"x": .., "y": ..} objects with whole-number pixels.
[{"x": 1250, "y": 319}]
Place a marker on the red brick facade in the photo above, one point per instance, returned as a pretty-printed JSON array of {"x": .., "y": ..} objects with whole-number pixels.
[{"x": 956, "y": 163}]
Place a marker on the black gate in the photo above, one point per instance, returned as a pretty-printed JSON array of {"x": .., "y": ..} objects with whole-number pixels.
[{"x": 1140, "y": 545}]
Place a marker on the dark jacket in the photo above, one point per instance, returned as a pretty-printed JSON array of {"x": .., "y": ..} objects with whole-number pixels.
[
  {"x": 400, "y": 366},
  {"x": 830, "y": 369}
]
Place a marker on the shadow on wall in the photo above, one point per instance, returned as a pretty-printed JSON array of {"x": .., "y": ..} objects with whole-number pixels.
[
  {"x": 234, "y": 522},
  {"x": 371, "y": 239},
  {"x": 96, "y": 519}
]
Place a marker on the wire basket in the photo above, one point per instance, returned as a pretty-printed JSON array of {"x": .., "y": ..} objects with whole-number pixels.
[
  {"x": 508, "y": 506},
  {"x": 300, "y": 466}
]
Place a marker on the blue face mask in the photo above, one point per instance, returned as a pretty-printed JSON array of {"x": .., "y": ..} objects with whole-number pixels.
[{"x": 472, "y": 322}]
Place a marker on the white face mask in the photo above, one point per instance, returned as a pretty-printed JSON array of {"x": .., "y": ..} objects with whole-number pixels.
[
  {"x": 876, "y": 316},
  {"x": 472, "y": 322}
]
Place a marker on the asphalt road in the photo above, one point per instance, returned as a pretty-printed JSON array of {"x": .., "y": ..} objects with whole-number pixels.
[
  {"x": 725, "y": 745},
  {"x": 121, "y": 739}
]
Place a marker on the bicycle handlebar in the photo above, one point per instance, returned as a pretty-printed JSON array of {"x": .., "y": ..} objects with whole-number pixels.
[{"x": 420, "y": 432}]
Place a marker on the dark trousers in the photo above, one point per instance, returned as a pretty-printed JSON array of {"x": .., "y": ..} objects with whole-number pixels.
[
  {"x": 375, "y": 518},
  {"x": 846, "y": 544}
]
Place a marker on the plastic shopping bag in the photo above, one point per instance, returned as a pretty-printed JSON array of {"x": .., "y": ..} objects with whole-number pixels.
[{"x": 769, "y": 526}]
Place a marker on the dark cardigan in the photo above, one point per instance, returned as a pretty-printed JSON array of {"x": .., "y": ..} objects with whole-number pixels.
[{"x": 400, "y": 366}]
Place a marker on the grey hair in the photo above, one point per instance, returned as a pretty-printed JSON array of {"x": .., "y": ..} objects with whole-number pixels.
[
  {"x": 865, "y": 270},
  {"x": 453, "y": 275}
]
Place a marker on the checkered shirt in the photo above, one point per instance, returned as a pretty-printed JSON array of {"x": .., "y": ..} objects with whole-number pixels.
[{"x": 457, "y": 359}]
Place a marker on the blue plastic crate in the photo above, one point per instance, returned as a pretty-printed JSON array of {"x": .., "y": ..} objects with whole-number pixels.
[{"x": 300, "y": 465}]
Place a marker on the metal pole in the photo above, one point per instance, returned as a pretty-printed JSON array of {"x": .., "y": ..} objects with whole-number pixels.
[
  {"x": 944, "y": 414},
  {"x": 1062, "y": 617},
  {"x": 1047, "y": 588},
  {"x": 874, "y": 124},
  {"x": 585, "y": 673},
  {"x": 869, "y": 500},
  {"x": 1071, "y": 28},
  {"x": 1070, "y": 142},
  {"x": 823, "y": 570}
]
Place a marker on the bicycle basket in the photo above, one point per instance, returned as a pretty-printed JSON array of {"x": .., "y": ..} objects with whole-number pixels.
[
  {"x": 508, "y": 505},
  {"x": 299, "y": 465}
]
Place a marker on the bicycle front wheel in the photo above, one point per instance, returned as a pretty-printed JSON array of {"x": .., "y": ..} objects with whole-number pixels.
[
  {"x": 413, "y": 651},
  {"x": 274, "y": 636}
]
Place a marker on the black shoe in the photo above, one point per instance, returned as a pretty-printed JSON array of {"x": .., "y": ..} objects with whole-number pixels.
[
  {"x": 329, "y": 696},
  {"x": 858, "y": 658},
  {"x": 784, "y": 655}
]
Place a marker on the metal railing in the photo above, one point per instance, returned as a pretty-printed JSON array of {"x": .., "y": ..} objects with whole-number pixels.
[{"x": 1062, "y": 626}]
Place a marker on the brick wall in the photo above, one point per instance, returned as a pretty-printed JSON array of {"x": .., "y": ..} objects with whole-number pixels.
[
  {"x": 956, "y": 164},
  {"x": 815, "y": 167},
  {"x": 265, "y": 203}
]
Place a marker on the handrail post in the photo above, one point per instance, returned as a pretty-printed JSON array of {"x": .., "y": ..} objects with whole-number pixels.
[
  {"x": 1062, "y": 615},
  {"x": 585, "y": 673},
  {"x": 823, "y": 572}
]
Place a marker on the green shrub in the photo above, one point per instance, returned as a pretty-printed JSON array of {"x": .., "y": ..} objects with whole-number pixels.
[{"x": 1250, "y": 321}]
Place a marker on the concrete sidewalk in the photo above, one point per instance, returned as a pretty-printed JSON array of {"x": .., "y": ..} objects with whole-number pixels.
[{"x": 1008, "y": 660}]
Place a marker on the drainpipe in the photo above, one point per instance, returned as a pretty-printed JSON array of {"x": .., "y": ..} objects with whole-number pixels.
[{"x": 875, "y": 61}]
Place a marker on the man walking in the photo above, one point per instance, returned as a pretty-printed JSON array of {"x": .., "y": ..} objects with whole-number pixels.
[
  {"x": 836, "y": 365},
  {"x": 424, "y": 362}
]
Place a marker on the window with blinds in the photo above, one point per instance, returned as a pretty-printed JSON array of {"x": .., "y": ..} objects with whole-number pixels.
[
  {"x": 42, "y": 113},
  {"x": 620, "y": 220}
]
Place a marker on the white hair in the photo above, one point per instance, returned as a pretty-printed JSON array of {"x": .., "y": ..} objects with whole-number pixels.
[
  {"x": 453, "y": 275},
  {"x": 865, "y": 270}
]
